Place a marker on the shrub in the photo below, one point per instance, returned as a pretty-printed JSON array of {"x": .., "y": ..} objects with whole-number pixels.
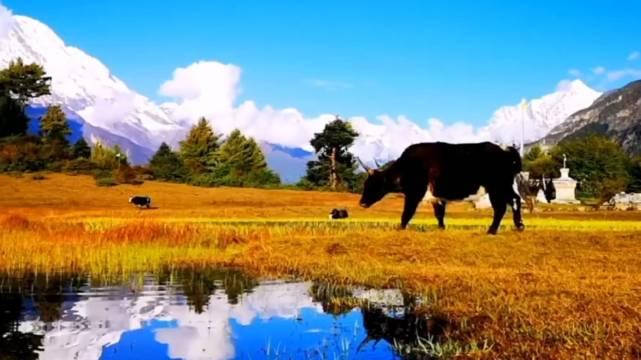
[
  {"x": 80, "y": 165},
  {"x": 125, "y": 175},
  {"x": 106, "y": 181}
]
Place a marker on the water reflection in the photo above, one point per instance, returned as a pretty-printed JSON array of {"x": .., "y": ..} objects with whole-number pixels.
[{"x": 212, "y": 314}]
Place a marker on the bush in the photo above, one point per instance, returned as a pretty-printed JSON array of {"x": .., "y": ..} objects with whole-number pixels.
[
  {"x": 125, "y": 175},
  {"x": 55, "y": 166},
  {"x": 80, "y": 165},
  {"x": 106, "y": 181}
]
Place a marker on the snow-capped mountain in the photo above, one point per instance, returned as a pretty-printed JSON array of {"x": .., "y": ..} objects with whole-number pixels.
[
  {"x": 540, "y": 115},
  {"x": 86, "y": 87},
  {"x": 616, "y": 114},
  {"x": 109, "y": 111}
]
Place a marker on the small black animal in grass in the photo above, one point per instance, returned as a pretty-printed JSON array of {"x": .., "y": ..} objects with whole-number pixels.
[
  {"x": 140, "y": 201},
  {"x": 338, "y": 214}
]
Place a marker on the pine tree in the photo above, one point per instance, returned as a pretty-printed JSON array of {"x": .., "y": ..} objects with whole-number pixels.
[
  {"x": 54, "y": 126},
  {"x": 167, "y": 165},
  {"x": 81, "y": 149},
  {"x": 240, "y": 161},
  {"x": 335, "y": 167},
  {"x": 198, "y": 147},
  {"x": 18, "y": 84},
  {"x": 13, "y": 121},
  {"x": 54, "y": 130},
  {"x": 24, "y": 82}
]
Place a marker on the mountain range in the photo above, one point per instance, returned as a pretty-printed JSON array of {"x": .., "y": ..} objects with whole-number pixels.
[
  {"x": 616, "y": 114},
  {"x": 101, "y": 107}
]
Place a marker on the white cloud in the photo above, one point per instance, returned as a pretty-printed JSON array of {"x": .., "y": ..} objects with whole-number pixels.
[
  {"x": 328, "y": 85},
  {"x": 616, "y": 75},
  {"x": 634, "y": 55},
  {"x": 205, "y": 88},
  {"x": 210, "y": 89},
  {"x": 599, "y": 70},
  {"x": 575, "y": 72},
  {"x": 6, "y": 21}
]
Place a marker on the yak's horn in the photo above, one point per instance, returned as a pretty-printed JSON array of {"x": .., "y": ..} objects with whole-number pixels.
[
  {"x": 377, "y": 164},
  {"x": 367, "y": 168}
]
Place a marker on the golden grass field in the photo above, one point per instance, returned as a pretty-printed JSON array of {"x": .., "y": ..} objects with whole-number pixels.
[{"x": 568, "y": 287}]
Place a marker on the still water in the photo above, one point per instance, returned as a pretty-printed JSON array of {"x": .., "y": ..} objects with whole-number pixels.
[{"x": 213, "y": 314}]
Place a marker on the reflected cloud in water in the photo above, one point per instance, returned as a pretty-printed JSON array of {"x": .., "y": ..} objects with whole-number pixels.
[{"x": 212, "y": 315}]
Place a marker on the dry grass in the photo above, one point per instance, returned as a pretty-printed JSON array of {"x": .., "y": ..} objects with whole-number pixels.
[{"x": 568, "y": 287}]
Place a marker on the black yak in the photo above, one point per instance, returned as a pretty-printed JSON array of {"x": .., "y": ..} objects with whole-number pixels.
[
  {"x": 450, "y": 172},
  {"x": 338, "y": 214},
  {"x": 140, "y": 201}
]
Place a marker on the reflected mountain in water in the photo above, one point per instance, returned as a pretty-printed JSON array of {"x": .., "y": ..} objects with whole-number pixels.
[{"x": 209, "y": 314}]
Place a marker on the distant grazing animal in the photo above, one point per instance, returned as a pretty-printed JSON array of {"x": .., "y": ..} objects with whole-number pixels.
[
  {"x": 140, "y": 201},
  {"x": 450, "y": 172},
  {"x": 338, "y": 214},
  {"x": 529, "y": 190}
]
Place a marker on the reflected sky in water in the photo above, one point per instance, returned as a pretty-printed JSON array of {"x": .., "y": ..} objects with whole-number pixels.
[{"x": 211, "y": 315}]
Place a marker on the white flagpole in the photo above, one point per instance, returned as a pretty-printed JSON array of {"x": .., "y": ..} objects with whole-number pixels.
[{"x": 523, "y": 107}]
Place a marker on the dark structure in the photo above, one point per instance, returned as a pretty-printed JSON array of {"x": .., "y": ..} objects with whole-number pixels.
[
  {"x": 450, "y": 172},
  {"x": 529, "y": 189},
  {"x": 140, "y": 201},
  {"x": 338, "y": 214},
  {"x": 406, "y": 330}
]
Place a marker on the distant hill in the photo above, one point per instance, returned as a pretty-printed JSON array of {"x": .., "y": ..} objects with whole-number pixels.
[{"x": 615, "y": 114}]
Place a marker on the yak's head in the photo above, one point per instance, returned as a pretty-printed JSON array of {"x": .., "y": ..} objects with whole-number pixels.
[
  {"x": 377, "y": 185},
  {"x": 375, "y": 188}
]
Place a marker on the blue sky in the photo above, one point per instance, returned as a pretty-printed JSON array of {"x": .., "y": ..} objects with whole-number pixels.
[{"x": 455, "y": 60}]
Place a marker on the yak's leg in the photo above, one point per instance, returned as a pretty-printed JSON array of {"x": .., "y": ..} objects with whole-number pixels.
[
  {"x": 516, "y": 211},
  {"x": 439, "y": 212},
  {"x": 412, "y": 199},
  {"x": 499, "y": 204},
  {"x": 530, "y": 203}
]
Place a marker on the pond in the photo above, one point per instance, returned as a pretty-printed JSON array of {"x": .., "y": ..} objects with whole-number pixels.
[{"x": 210, "y": 314}]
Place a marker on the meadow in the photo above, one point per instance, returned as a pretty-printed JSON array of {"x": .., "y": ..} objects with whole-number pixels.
[{"x": 567, "y": 287}]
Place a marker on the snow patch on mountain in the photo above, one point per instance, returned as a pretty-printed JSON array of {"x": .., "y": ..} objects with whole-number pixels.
[
  {"x": 85, "y": 86},
  {"x": 113, "y": 113},
  {"x": 541, "y": 115}
]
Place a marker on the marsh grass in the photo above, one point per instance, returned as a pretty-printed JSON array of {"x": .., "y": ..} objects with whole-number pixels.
[{"x": 567, "y": 287}]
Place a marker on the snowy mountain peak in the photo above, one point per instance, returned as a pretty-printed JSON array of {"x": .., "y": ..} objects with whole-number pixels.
[
  {"x": 85, "y": 86},
  {"x": 577, "y": 86},
  {"x": 539, "y": 116}
]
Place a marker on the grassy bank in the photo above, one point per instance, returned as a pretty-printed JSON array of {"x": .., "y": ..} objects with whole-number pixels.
[{"x": 567, "y": 287}]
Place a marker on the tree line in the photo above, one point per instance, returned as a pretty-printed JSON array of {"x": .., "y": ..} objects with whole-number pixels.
[
  {"x": 206, "y": 158},
  {"x": 599, "y": 164},
  {"x": 203, "y": 158}
]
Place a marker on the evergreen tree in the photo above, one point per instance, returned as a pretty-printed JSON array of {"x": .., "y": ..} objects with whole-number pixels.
[
  {"x": 23, "y": 82},
  {"x": 13, "y": 121},
  {"x": 54, "y": 130},
  {"x": 240, "y": 161},
  {"x": 540, "y": 164},
  {"x": 335, "y": 167},
  {"x": 18, "y": 84},
  {"x": 198, "y": 147},
  {"x": 167, "y": 165},
  {"x": 54, "y": 126},
  {"x": 81, "y": 149}
]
